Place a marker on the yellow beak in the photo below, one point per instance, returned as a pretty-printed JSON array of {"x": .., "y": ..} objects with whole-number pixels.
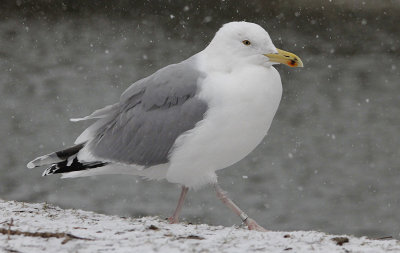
[{"x": 286, "y": 58}]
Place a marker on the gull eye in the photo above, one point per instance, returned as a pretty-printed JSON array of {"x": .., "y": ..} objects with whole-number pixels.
[{"x": 246, "y": 42}]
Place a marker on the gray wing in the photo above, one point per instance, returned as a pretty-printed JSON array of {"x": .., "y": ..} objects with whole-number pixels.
[{"x": 151, "y": 115}]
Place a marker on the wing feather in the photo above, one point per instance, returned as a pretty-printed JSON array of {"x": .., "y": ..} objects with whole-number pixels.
[{"x": 152, "y": 113}]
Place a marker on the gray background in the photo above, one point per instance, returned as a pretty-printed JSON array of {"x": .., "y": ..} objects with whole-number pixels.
[{"x": 331, "y": 161}]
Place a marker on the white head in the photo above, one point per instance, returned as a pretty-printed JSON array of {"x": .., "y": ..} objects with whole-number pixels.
[{"x": 243, "y": 42}]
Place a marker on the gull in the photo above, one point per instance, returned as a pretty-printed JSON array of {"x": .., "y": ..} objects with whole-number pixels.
[{"x": 187, "y": 120}]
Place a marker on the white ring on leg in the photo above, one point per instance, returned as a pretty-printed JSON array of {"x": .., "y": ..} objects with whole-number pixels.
[{"x": 244, "y": 217}]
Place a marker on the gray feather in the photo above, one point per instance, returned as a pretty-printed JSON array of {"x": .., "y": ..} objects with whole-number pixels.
[
  {"x": 98, "y": 114},
  {"x": 151, "y": 115}
]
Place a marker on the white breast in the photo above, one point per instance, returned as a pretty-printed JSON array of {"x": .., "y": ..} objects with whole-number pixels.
[{"x": 242, "y": 104}]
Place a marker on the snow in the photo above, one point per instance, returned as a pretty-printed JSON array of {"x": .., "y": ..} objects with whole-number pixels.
[{"x": 26, "y": 227}]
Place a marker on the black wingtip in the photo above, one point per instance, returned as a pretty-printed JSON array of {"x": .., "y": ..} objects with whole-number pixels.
[
  {"x": 68, "y": 166},
  {"x": 51, "y": 170}
]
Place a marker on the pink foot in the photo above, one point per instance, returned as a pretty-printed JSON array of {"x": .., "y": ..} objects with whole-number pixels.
[
  {"x": 173, "y": 220},
  {"x": 252, "y": 225}
]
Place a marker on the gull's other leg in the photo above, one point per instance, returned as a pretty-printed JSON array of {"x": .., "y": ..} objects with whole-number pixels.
[
  {"x": 175, "y": 217},
  {"x": 251, "y": 224}
]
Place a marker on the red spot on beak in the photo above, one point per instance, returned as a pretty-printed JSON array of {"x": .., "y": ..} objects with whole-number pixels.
[{"x": 292, "y": 63}]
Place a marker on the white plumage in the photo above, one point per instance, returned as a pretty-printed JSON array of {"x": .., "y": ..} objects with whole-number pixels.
[{"x": 201, "y": 115}]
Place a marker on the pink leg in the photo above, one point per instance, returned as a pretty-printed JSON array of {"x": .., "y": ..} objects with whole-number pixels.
[
  {"x": 175, "y": 217},
  {"x": 251, "y": 224}
]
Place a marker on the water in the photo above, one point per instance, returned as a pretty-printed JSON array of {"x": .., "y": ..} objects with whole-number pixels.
[{"x": 331, "y": 161}]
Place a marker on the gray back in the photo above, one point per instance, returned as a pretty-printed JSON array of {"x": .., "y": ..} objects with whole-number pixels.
[{"x": 152, "y": 114}]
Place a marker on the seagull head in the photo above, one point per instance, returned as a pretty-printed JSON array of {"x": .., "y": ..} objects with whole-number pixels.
[{"x": 244, "y": 42}]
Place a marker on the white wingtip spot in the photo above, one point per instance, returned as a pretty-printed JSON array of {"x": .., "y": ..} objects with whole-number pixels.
[
  {"x": 30, "y": 165},
  {"x": 75, "y": 119},
  {"x": 46, "y": 172},
  {"x": 42, "y": 160}
]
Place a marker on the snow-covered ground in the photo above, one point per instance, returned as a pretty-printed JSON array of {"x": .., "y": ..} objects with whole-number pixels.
[{"x": 26, "y": 227}]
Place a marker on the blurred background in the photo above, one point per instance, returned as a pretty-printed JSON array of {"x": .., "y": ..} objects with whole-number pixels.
[{"x": 331, "y": 161}]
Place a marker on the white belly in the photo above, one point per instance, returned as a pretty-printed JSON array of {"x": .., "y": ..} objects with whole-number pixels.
[{"x": 239, "y": 116}]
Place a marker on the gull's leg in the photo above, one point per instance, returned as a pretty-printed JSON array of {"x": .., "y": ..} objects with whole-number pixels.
[
  {"x": 251, "y": 224},
  {"x": 175, "y": 217}
]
